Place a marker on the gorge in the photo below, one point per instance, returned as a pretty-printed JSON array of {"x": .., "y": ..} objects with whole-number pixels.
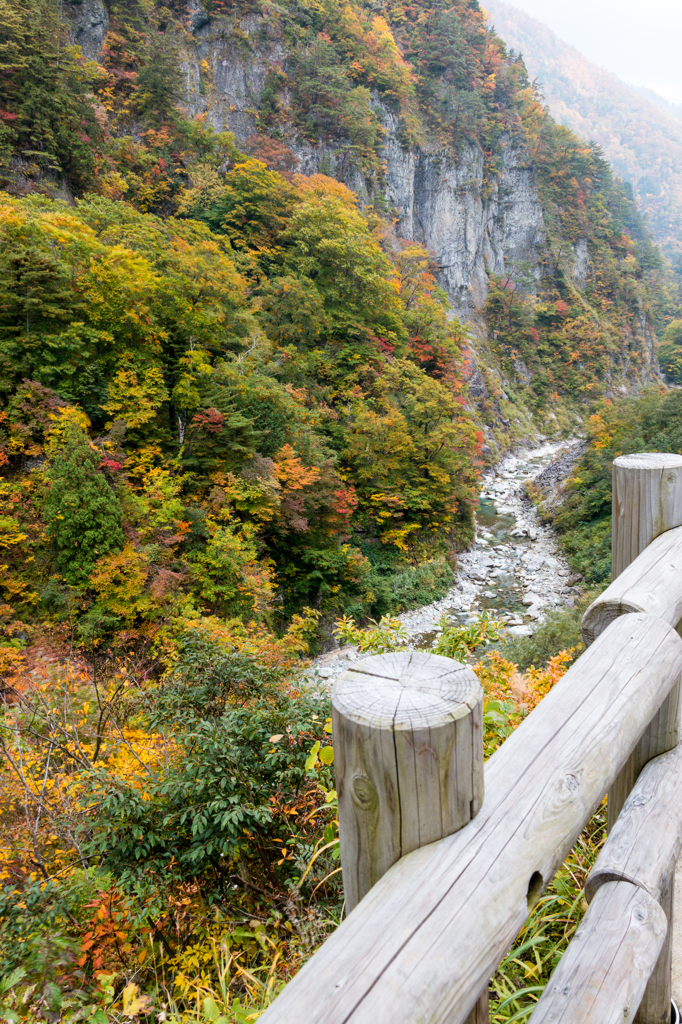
[{"x": 306, "y": 309}]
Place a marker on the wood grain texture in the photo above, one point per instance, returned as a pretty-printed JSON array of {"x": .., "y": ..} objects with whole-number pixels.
[
  {"x": 647, "y": 501},
  {"x": 408, "y": 756},
  {"x": 643, "y": 848},
  {"x": 602, "y": 976},
  {"x": 654, "y": 1007},
  {"x": 648, "y": 834},
  {"x": 481, "y": 1011},
  {"x": 422, "y": 944},
  {"x": 652, "y": 584}
]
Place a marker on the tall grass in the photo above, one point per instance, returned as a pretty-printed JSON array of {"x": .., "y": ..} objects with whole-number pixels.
[{"x": 523, "y": 974}]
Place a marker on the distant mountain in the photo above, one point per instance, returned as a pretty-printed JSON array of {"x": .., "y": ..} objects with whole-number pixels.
[
  {"x": 673, "y": 109},
  {"x": 639, "y": 131}
]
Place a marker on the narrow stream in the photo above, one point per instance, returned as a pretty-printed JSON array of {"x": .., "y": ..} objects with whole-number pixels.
[{"x": 514, "y": 569}]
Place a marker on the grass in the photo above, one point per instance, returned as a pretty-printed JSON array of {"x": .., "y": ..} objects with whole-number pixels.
[{"x": 523, "y": 974}]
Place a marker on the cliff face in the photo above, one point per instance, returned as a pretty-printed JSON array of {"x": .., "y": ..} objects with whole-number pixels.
[
  {"x": 435, "y": 199},
  {"x": 440, "y": 203},
  {"x": 481, "y": 226},
  {"x": 90, "y": 23}
]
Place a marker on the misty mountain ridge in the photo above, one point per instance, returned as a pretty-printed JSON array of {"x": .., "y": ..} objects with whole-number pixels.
[{"x": 639, "y": 131}]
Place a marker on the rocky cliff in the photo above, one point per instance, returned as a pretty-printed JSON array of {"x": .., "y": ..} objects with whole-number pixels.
[
  {"x": 489, "y": 211},
  {"x": 435, "y": 199}
]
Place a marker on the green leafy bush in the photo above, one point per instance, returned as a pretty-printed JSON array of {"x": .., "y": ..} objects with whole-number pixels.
[
  {"x": 650, "y": 422},
  {"x": 559, "y": 631}
]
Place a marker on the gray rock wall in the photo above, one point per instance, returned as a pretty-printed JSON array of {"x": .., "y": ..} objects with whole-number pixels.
[
  {"x": 435, "y": 198},
  {"x": 90, "y": 23}
]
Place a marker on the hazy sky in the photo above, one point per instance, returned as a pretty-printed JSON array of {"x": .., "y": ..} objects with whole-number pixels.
[{"x": 641, "y": 42}]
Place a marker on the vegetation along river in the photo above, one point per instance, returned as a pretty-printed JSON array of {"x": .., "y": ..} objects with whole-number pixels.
[{"x": 514, "y": 570}]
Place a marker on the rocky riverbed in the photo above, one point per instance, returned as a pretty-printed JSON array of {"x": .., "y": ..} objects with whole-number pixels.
[{"x": 513, "y": 570}]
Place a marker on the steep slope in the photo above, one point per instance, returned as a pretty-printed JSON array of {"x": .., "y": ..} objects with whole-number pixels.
[
  {"x": 252, "y": 307},
  {"x": 640, "y": 133},
  {"x": 423, "y": 114}
]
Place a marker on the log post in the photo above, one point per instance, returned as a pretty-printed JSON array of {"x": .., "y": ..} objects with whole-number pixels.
[
  {"x": 422, "y": 944},
  {"x": 647, "y": 501},
  {"x": 408, "y": 752},
  {"x": 408, "y": 755}
]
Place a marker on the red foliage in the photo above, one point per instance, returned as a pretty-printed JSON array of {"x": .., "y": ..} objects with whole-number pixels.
[
  {"x": 275, "y": 155},
  {"x": 210, "y": 419},
  {"x": 346, "y": 501}
]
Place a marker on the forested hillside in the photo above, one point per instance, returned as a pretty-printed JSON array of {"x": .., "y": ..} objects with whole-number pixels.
[
  {"x": 276, "y": 282},
  {"x": 640, "y": 134}
]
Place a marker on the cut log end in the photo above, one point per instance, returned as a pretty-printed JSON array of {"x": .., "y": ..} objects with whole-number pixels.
[
  {"x": 408, "y": 743},
  {"x": 649, "y": 460},
  {"x": 406, "y": 691}
]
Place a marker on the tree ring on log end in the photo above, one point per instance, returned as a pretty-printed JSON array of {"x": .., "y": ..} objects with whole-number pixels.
[{"x": 406, "y": 690}]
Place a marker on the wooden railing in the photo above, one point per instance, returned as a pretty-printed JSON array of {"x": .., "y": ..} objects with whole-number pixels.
[{"x": 443, "y": 861}]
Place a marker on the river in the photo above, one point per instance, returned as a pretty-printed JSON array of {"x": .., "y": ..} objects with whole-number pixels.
[{"x": 514, "y": 569}]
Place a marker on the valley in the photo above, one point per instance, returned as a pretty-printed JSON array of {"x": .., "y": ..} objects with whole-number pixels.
[
  {"x": 297, "y": 299},
  {"x": 513, "y": 572}
]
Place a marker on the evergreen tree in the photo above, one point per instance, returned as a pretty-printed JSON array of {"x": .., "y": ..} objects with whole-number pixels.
[
  {"x": 159, "y": 81},
  {"x": 82, "y": 512},
  {"x": 48, "y": 117}
]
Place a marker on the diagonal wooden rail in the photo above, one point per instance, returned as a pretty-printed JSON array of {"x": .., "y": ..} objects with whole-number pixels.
[
  {"x": 425, "y": 939},
  {"x": 422, "y": 942}
]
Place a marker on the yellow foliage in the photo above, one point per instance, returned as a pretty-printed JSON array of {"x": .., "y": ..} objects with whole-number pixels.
[
  {"x": 135, "y": 397},
  {"x": 291, "y": 472},
  {"x": 119, "y": 579},
  {"x": 320, "y": 185}
]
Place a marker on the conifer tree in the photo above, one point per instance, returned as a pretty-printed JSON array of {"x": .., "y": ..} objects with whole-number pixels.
[
  {"x": 159, "y": 81},
  {"x": 82, "y": 512}
]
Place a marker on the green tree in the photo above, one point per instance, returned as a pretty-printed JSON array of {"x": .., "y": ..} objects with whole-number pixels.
[
  {"x": 159, "y": 81},
  {"x": 45, "y": 95},
  {"x": 670, "y": 352},
  {"x": 82, "y": 512}
]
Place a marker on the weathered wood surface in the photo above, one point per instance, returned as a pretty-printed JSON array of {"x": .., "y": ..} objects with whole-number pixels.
[
  {"x": 648, "y": 834},
  {"x": 647, "y": 501},
  {"x": 662, "y": 734},
  {"x": 643, "y": 848},
  {"x": 481, "y": 1011},
  {"x": 602, "y": 976},
  {"x": 651, "y": 584},
  {"x": 422, "y": 944},
  {"x": 654, "y": 1007},
  {"x": 408, "y": 756}
]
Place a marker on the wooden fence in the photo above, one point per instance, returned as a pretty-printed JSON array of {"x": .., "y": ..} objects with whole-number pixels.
[{"x": 443, "y": 860}]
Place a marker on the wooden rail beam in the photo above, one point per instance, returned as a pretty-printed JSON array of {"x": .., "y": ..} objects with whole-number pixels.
[
  {"x": 647, "y": 501},
  {"x": 605, "y": 973},
  {"x": 643, "y": 848},
  {"x": 602, "y": 976},
  {"x": 647, "y": 512},
  {"x": 422, "y": 944},
  {"x": 652, "y": 585}
]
